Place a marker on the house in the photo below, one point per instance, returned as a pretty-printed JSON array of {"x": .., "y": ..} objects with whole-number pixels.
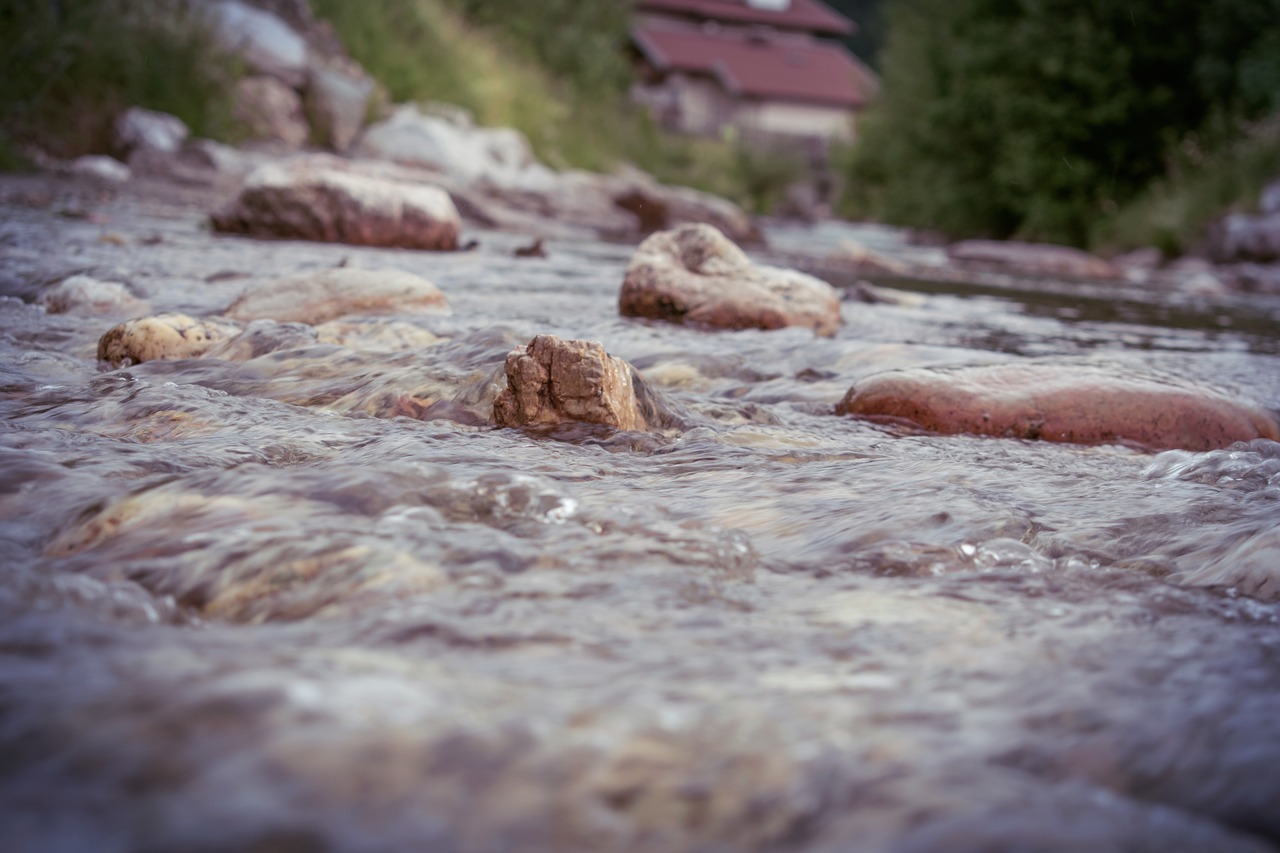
[{"x": 769, "y": 69}]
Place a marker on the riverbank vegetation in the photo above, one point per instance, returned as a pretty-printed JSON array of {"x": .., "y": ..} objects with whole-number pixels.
[
  {"x": 1077, "y": 121},
  {"x": 67, "y": 69}
]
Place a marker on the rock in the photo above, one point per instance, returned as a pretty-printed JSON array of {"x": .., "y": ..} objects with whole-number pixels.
[
  {"x": 1147, "y": 259},
  {"x": 100, "y": 168},
  {"x": 1239, "y": 237},
  {"x": 323, "y": 198},
  {"x": 376, "y": 335},
  {"x": 864, "y": 261},
  {"x": 139, "y": 129},
  {"x": 1054, "y": 402},
  {"x": 500, "y": 155},
  {"x": 659, "y": 207},
  {"x": 268, "y": 45},
  {"x": 272, "y": 111},
  {"x": 553, "y": 381},
  {"x": 1269, "y": 199},
  {"x": 82, "y": 294},
  {"x": 162, "y": 336},
  {"x": 1037, "y": 259},
  {"x": 695, "y": 275},
  {"x": 1257, "y": 278},
  {"x": 261, "y": 337},
  {"x": 336, "y": 102},
  {"x": 318, "y": 297}
]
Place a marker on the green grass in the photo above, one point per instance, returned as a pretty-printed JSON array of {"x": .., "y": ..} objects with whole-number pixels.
[
  {"x": 67, "y": 69},
  {"x": 1172, "y": 213}
]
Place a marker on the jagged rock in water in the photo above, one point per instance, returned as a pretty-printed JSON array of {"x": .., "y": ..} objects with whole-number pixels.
[
  {"x": 1035, "y": 259},
  {"x": 323, "y": 295},
  {"x": 162, "y": 336},
  {"x": 82, "y": 294},
  {"x": 694, "y": 274},
  {"x": 325, "y": 199},
  {"x": 1059, "y": 402},
  {"x": 553, "y": 381}
]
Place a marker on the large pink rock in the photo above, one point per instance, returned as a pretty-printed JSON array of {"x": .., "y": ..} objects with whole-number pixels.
[
  {"x": 553, "y": 381},
  {"x": 694, "y": 274},
  {"x": 326, "y": 199},
  {"x": 1073, "y": 403}
]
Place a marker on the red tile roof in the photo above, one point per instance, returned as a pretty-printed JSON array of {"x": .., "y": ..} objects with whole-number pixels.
[
  {"x": 811, "y": 15},
  {"x": 783, "y": 69}
]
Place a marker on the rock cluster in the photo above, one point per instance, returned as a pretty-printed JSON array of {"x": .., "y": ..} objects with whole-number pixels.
[
  {"x": 1055, "y": 402},
  {"x": 553, "y": 381},
  {"x": 323, "y": 198},
  {"x": 694, "y": 274}
]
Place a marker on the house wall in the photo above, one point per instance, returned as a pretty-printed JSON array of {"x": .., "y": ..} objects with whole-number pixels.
[
  {"x": 687, "y": 104},
  {"x": 788, "y": 119}
]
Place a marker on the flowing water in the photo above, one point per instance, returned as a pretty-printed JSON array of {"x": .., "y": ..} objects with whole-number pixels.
[{"x": 302, "y": 597}]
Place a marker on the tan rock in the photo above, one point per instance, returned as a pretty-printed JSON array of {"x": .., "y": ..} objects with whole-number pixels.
[
  {"x": 324, "y": 198},
  {"x": 324, "y": 295},
  {"x": 270, "y": 110},
  {"x": 1035, "y": 259},
  {"x": 162, "y": 336},
  {"x": 553, "y": 381},
  {"x": 865, "y": 261},
  {"x": 694, "y": 274},
  {"x": 1052, "y": 402}
]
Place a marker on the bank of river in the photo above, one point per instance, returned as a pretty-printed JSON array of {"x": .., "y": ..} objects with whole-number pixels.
[{"x": 245, "y": 607}]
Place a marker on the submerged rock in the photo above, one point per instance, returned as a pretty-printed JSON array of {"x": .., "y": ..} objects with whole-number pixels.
[
  {"x": 1072, "y": 403},
  {"x": 1037, "y": 259},
  {"x": 318, "y": 297},
  {"x": 162, "y": 336},
  {"x": 553, "y": 381},
  {"x": 694, "y": 274},
  {"x": 323, "y": 198}
]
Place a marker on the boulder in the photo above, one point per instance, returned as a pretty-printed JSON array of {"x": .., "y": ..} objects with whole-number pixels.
[
  {"x": 323, "y": 198},
  {"x": 162, "y": 336},
  {"x": 1034, "y": 259},
  {"x": 553, "y": 381},
  {"x": 270, "y": 110},
  {"x": 318, "y": 297},
  {"x": 695, "y": 275},
  {"x": 267, "y": 44},
  {"x": 1239, "y": 237},
  {"x": 456, "y": 148},
  {"x": 659, "y": 207},
  {"x": 1056, "y": 402},
  {"x": 337, "y": 100},
  {"x": 82, "y": 294},
  {"x": 139, "y": 129},
  {"x": 97, "y": 167}
]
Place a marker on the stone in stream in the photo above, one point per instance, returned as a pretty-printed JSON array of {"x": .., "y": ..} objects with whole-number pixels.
[
  {"x": 1036, "y": 259},
  {"x": 162, "y": 336},
  {"x": 553, "y": 381},
  {"x": 323, "y": 295},
  {"x": 1055, "y": 402},
  {"x": 82, "y": 294},
  {"x": 694, "y": 274},
  {"x": 323, "y": 198}
]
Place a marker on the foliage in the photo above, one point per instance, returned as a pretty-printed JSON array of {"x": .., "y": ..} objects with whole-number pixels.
[
  {"x": 1037, "y": 117},
  {"x": 67, "y": 69}
]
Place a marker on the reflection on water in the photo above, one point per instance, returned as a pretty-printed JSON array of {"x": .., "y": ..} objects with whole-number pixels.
[{"x": 298, "y": 595}]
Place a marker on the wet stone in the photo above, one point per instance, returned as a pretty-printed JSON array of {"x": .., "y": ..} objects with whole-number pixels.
[
  {"x": 162, "y": 336},
  {"x": 323, "y": 295},
  {"x": 694, "y": 274},
  {"x": 553, "y": 381},
  {"x": 1056, "y": 402}
]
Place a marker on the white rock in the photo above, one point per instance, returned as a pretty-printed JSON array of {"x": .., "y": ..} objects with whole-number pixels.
[
  {"x": 82, "y": 294},
  {"x": 101, "y": 168},
  {"x": 267, "y": 43},
  {"x": 147, "y": 129}
]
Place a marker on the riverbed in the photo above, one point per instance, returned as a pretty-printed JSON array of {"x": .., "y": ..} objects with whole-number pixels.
[{"x": 305, "y": 597}]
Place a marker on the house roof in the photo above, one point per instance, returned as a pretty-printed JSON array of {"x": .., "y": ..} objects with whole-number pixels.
[
  {"x": 811, "y": 15},
  {"x": 752, "y": 66}
]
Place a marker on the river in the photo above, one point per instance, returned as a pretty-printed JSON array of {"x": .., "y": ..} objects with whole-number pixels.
[{"x": 244, "y": 606}]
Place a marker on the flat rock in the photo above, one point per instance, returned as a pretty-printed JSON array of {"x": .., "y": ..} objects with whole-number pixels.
[
  {"x": 318, "y": 297},
  {"x": 162, "y": 336},
  {"x": 553, "y": 381},
  {"x": 1036, "y": 259},
  {"x": 323, "y": 198},
  {"x": 694, "y": 274},
  {"x": 1050, "y": 402}
]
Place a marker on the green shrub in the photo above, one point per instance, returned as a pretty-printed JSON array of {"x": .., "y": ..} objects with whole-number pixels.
[{"x": 68, "y": 68}]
